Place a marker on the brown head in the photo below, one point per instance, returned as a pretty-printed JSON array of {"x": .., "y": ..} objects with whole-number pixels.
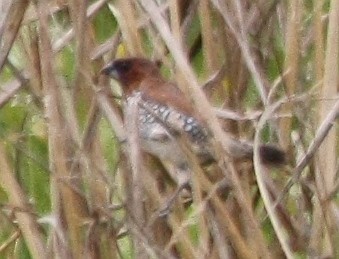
[
  {"x": 130, "y": 72},
  {"x": 144, "y": 75}
]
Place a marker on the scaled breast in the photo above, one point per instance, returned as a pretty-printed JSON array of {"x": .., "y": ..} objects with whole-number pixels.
[{"x": 153, "y": 115}]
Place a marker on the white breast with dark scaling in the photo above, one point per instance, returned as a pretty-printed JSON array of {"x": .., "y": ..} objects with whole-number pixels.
[{"x": 159, "y": 125}]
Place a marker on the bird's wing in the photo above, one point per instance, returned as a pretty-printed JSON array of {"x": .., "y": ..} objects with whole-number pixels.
[{"x": 174, "y": 118}]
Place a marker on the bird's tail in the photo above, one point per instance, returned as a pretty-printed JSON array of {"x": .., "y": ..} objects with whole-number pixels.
[
  {"x": 272, "y": 155},
  {"x": 269, "y": 154}
]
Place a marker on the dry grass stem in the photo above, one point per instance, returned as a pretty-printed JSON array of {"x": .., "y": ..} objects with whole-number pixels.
[{"x": 75, "y": 181}]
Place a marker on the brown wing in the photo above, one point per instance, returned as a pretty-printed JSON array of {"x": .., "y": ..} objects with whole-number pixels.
[{"x": 161, "y": 91}]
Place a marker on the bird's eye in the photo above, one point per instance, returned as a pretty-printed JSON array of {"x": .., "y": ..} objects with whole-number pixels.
[{"x": 123, "y": 66}]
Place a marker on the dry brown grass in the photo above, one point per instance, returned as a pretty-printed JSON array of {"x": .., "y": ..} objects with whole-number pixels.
[{"x": 68, "y": 189}]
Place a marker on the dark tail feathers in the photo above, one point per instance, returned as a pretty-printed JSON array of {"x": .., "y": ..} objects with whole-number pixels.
[{"x": 272, "y": 155}]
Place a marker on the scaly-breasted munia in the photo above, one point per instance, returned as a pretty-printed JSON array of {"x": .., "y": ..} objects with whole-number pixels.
[{"x": 165, "y": 113}]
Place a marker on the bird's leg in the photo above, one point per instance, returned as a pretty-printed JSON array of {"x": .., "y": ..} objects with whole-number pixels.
[
  {"x": 183, "y": 177},
  {"x": 169, "y": 204}
]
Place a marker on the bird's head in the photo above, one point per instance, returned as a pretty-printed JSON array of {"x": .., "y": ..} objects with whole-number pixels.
[{"x": 130, "y": 72}]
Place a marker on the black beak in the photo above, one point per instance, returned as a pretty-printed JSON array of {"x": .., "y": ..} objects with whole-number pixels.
[{"x": 106, "y": 70}]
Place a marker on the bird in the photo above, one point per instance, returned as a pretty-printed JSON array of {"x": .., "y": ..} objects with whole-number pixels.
[{"x": 165, "y": 115}]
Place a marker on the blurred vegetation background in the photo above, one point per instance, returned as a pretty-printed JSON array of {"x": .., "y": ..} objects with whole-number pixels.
[{"x": 268, "y": 67}]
